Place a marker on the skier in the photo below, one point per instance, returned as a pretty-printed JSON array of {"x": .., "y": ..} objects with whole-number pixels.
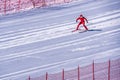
[{"x": 82, "y": 21}]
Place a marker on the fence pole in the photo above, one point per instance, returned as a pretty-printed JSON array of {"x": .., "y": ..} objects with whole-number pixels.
[
  {"x": 78, "y": 73},
  {"x": 64, "y": 1},
  {"x": 19, "y": 2},
  {"x": 46, "y": 76},
  {"x": 33, "y": 2},
  {"x": 93, "y": 66},
  {"x": 43, "y": 3},
  {"x": 109, "y": 70},
  {"x": 54, "y": 1},
  {"x": 9, "y": 3},
  {"x": 5, "y": 7},
  {"x": 63, "y": 74}
]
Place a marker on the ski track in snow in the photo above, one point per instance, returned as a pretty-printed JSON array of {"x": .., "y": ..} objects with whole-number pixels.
[
  {"x": 34, "y": 69},
  {"x": 99, "y": 4},
  {"x": 58, "y": 16},
  {"x": 76, "y": 11},
  {"x": 51, "y": 33},
  {"x": 55, "y": 46},
  {"x": 91, "y": 57},
  {"x": 56, "y": 26}
]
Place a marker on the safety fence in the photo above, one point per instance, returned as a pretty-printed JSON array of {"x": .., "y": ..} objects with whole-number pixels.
[
  {"x": 12, "y": 6},
  {"x": 96, "y": 71}
]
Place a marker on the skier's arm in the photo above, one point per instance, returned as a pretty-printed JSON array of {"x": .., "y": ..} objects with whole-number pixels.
[
  {"x": 77, "y": 19},
  {"x": 86, "y": 19}
]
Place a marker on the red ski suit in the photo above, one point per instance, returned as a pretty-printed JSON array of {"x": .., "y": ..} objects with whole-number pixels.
[{"x": 82, "y": 21}]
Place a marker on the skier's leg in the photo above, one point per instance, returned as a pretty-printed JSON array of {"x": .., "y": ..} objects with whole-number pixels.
[
  {"x": 85, "y": 27},
  {"x": 78, "y": 26}
]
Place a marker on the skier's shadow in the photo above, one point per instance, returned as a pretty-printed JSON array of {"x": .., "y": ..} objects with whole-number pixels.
[{"x": 95, "y": 30}]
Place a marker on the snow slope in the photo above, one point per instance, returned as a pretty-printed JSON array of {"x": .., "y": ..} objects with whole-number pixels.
[{"x": 41, "y": 40}]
